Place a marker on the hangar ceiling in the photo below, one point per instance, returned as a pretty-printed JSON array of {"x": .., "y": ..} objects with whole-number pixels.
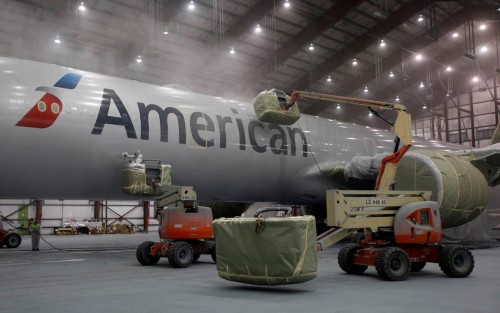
[{"x": 321, "y": 45}]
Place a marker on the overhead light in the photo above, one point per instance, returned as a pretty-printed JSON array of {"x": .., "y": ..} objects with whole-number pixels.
[
  {"x": 420, "y": 18},
  {"x": 455, "y": 35},
  {"x": 475, "y": 79},
  {"x": 286, "y": 4},
  {"x": 397, "y": 98},
  {"x": 329, "y": 79},
  {"x": 82, "y": 7},
  {"x": 311, "y": 47},
  {"x": 482, "y": 26},
  {"x": 165, "y": 32},
  {"x": 258, "y": 29},
  {"x": 354, "y": 62},
  {"x": 421, "y": 85},
  {"x": 338, "y": 106},
  {"x": 139, "y": 59},
  {"x": 447, "y": 94},
  {"x": 449, "y": 69},
  {"x": 366, "y": 89},
  {"x": 424, "y": 107},
  {"x": 370, "y": 114},
  {"x": 382, "y": 43},
  {"x": 483, "y": 49},
  {"x": 191, "y": 5},
  {"x": 391, "y": 74},
  {"x": 418, "y": 57},
  {"x": 57, "y": 40},
  {"x": 232, "y": 51}
]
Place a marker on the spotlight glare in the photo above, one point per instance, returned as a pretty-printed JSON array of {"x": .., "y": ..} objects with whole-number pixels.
[
  {"x": 329, "y": 79},
  {"x": 191, "y": 5},
  {"x": 338, "y": 106},
  {"x": 382, "y": 43},
  {"x": 397, "y": 98},
  {"x": 354, "y": 62},
  {"x": 232, "y": 51},
  {"x": 139, "y": 60},
  {"x": 311, "y": 47},
  {"x": 366, "y": 89},
  {"x": 391, "y": 74},
  {"x": 421, "y": 85},
  {"x": 420, "y": 18},
  {"x": 482, "y": 27},
  {"x": 483, "y": 49},
  {"x": 449, "y": 69},
  {"x": 455, "y": 35},
  {"x": 418, "y": 57},
  {"x": 82, "y": 7},
  {"x": 258, "y": 29},
  {"x": 286, "y": 4},
  {"x": 475, "y": 79}
]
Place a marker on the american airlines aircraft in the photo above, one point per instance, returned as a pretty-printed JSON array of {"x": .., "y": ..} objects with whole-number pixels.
[{"x": 64, "y": 132}]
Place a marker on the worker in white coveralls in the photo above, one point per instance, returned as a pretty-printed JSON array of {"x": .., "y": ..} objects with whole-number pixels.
[{"x": 35, "y": 235}]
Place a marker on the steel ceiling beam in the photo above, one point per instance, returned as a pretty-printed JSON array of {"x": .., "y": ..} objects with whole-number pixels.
[{"x": 368, "y": 75}]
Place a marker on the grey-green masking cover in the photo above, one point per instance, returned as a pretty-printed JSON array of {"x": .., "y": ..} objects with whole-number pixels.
[
  {"x": 270, "y": 251},
  {"x": 268, "y": 109},
  {"x": 459, "y": 188}
]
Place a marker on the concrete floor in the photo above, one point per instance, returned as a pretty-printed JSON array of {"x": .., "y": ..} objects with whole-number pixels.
[{"x": 110, "y": 280}]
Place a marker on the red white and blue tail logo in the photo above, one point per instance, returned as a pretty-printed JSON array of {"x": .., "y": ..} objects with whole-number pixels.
[{"x": 45, "y": 112}]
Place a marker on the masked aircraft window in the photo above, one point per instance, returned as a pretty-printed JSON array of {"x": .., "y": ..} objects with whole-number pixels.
[
  {"x": 42, "y": 106},
  {"x": 55, "y": 108}
]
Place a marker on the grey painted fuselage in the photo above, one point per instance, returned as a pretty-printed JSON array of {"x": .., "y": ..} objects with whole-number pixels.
[{"x": 216, "y": 145}]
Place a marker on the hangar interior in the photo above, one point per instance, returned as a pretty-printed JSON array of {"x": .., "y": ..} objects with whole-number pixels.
[{"x": 440, "y": 58}]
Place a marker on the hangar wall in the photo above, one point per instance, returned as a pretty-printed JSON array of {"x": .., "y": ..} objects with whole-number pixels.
[
  {"x": 55, "y": 212},
  {"x": 469, "y": 119}
]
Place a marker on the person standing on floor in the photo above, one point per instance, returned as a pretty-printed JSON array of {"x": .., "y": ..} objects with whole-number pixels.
[{"x": 35, "y": 235}]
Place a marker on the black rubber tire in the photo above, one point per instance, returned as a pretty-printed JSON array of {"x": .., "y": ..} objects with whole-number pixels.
[
  {"x": 344, "y": 259},
  {"x": 196, "y": 257},
  {"x": 213, "y": 254},
  {"x": 180, "y": 254},
  {"x": 392, "y": 264},
  {"x": 456, "y": 261},
  {"x": 12, "y": 240},
  {"x": 143, "y": 254},
  {"x": 417, "y": 266}
]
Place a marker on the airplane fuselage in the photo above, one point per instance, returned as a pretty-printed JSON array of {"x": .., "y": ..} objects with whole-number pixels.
[{"x": 73, "y": 149}]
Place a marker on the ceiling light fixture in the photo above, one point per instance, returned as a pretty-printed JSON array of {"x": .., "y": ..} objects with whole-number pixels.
[
  {"x": 57, "y": 40},
  {"x": 311, "y": 47},
  {"x": 366, "y": 89},
  {"x": 82, "y": 7},
  {"x": 286, "y": 4},
  {"x": 258, "y": 29},
  {"x": 191, "y": 5},
  {"x": 382, "y": 43},
  {"x": 421, "y": 85},
  {"x": 449, "y": 69},
  {"x": 420, "y": 18},
  {"x": 354, "y": 62},
  {"x": 482, "y": 27},
  {"x": 397, "y": 98},
  {"x": 232, "y": 50},
  {"x": 475, "y": 79},
  {"x": 455, "y": 35},
  {"x": 391, "y": 74},
  {"x": 139, "y": 59},
  {"x": 424, "y": 107},
  {"x": 418, "y": 57},
  {"x": 165, "y": 32},
  {"x": 338, "y": 106},
  {"x": 329, "y": 79},
  {"x": 483, "y": 49},
  {"x": 370, "y": 114}
]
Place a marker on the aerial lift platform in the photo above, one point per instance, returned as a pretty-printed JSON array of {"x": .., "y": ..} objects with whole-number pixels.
[{"x": 402, "y": 229}]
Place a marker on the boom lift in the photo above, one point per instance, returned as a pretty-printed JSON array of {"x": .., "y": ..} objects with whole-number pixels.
[
  {"x": 402, "y": 228},
  {"x": 185, "y": 229}
]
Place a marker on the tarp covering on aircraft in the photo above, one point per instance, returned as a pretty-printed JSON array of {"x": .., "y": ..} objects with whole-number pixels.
[
  {"x": 266, "y": 251},
  {"x": 458, "y": 187},
  {"x": 134, "y": 180},
  {"x": 268, "y": 108}
]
